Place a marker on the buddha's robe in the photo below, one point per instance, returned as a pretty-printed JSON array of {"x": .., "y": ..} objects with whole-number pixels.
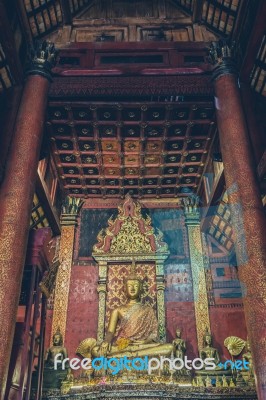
[{"x": 138, "y": 324}]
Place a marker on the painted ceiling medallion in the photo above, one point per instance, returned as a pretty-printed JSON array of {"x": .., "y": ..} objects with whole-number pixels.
[
  {"x": 109, "y": 131},
  {"x": 107, "y": 115}
]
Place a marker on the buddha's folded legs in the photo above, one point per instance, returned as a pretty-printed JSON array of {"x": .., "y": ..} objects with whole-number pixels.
[{"x": 138, "y": 350}]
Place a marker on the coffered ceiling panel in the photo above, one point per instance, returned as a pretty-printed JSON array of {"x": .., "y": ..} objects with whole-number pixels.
[{"x": 145, "y": 149}]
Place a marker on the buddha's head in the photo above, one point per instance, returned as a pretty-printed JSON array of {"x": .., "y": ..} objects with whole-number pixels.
[
  {"x": 57, "y": 338},
  {"x": 178, "y": 333},
  {"x": 133, "y": 287},
  {"x": 208, "y": 339}
]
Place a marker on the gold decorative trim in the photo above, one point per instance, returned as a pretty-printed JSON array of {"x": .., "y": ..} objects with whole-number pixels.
[
  {"x": 47, "y": 283},
  {"x": 70, "y": 210},
  {"x": 197, "y": 268},
  {"x": 63, "y": 280},
  {"x": 101, "y": 314},
  {"x": 102, "y": 300},
  {"x": 129, "y": 233}
]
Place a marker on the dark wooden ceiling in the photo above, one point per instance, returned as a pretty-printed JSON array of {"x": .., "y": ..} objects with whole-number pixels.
[{"x": 149, "y": 149}]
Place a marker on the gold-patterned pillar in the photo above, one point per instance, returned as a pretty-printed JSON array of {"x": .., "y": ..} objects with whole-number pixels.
[
  {"x": 197, "y": 267},
  {"x": 160, "y": 284},
  {"x": 102, "y": 300},
  {"x": 244, "y": 198},
  {"x": 16, "y": 193},
  {"x": 68, "y": 221}
]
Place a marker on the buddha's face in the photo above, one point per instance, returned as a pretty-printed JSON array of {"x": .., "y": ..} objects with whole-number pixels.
[
  {"x": 208, "y": 339},
  {"x": 57, "y": 340},
  {"x": 133, "y": 289},
  {"x": 178, "y": 333}
]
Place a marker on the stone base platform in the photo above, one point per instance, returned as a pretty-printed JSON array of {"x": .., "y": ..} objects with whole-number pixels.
[{"x": 152, "y": 392}]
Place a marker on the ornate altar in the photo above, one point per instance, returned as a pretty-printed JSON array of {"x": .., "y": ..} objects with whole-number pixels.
[
  {"x": 130, "y": 249},
  {"x": 130, "y": 238}
]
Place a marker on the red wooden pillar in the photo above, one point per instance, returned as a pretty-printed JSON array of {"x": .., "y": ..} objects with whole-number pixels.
[
  {"x": 245, "y": 203},
  {"x": 16, "y": 194}
]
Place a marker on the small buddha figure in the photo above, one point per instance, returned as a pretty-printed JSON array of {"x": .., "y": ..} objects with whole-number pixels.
[
  {"x": 52, "y": 378},
  {"x": 224, "y": 382},
  {"x": 138, "y": 329},
  {"x": 55, "y": 349},
  {"x": 247, "y": 356},
  {"x": 248, "y": 374},
  {"x": 208, "y": 351},
  {"x": 179, "y": 345},
  {"x": 208, "y": 382}
]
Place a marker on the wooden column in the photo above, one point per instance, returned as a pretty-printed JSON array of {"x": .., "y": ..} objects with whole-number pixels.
[
  {"x": 69, "y": 215},
  {"x": 201, "y": 305},
  {"x": 245, "y": 202},
  {"x": 16, "y": 194}
]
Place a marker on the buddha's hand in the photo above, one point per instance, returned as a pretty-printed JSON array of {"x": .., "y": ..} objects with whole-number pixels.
[{"x": 105, "y": 348}]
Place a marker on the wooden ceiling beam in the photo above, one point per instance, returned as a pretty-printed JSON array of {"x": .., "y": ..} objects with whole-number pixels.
[
  {"x": 197, "y": 10},
  {"x": 215, "y": 196},
  {"x": 67, "y": 16},
  {"x": 46, "y": 202}
]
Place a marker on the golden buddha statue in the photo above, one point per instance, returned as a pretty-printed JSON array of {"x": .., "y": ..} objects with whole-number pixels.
[
  {"x": 247, "y": 356},
  {"x": 52, "y": 377},
  {"x": 179, "y": 345},
  {"x": 55, "y": 349},
  {"x": 138, "y": 329},
  {"x": 208, "y": 351}
]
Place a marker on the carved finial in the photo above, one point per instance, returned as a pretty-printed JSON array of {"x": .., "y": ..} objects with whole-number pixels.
[
  {"x": 72, "y": 205},
  {"x": 221, "y": 55},
  {"x": 70, "y": 210},
  {"x": 190, "y": 204},
  {"x": 42, "y": 59},
  {"x": 219, "y": 51}
]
